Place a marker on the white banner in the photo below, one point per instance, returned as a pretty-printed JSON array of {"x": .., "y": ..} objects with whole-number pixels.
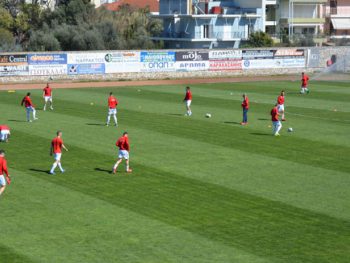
[
  {"x": 47, "y": 70},
  {"x": 88, "y": 58},
  {"x": 13, "y": 70},
  {"x": 123, "y": 67},
  {"x": 273, "y": 63},
  {"x": 225, "y": 54},
  {"x": 119, "y": 62},
  {"x": 191, "y": 65}
]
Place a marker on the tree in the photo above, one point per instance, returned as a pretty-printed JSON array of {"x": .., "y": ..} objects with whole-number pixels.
[{"x": 259, "y": 39}]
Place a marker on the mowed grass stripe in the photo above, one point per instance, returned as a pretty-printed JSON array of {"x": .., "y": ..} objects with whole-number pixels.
[
  {"x": 253, "y": 224},
  {"x": 9, "y": 255},
  {"x": 295, "y": 149}
]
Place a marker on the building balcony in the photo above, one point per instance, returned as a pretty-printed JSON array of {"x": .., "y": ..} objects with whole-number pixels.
[{"x": 296, "y": 21}]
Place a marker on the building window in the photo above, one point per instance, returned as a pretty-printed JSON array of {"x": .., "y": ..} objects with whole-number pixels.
[{"x": 333, "y": 6}]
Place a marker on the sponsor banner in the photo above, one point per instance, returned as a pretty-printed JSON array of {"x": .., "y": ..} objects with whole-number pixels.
[
  {"x": 47, "y": 70},
  {"x": 191, "y": 56},
  {"x": 314, "y": 58},
  {"x": 88, "y": 58},
  {"x": 225, "y": 64},
  {"x": 14, "y": 70},
  {"x": 13, "y": 59},
  {"x": 158, "y": 56},
  {"x": 159, "y": 66},
  {"x": 255, "y": 54},
  {"x": 123, "y": 67},
  {"x": 289, "y": 53},
  {"x": 191, "y": 65},
  {"x": 79, "y": 69},
  {"x": 225, "y": 54},
  {"x": 35, "y": 59},
  {"x": 123, "y": 57},
  {"x": 274, "y": 63}
]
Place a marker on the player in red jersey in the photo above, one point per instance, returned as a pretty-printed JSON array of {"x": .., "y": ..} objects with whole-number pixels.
[
  {"x": 56, "y": 150},
  {"x": 124, "y": 149},
  {"x": 304, "y": 83},
  {"x": 112, "y": 109},
  {"x": 276, "y": 124},
  {"x": 245, "y": 107},
  {"x": 4, "y": 133},
  {"x": 188, "y": 100},
  {"x": 27, "y": 102},
  {"x": 3, "y": 170},
  {"x": 47, "y": 95},
  {"x": 280, "y": 104}
]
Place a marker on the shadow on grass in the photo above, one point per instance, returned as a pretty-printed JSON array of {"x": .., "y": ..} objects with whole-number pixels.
[
  {"x": 232, "y": 122},
  {"x": 263, "y": 119},
  {"x": 17, "y": 121},
  {"x": 261, "y": 134},
  {"x": 175, "y": 114},
  {"x": 103, "y": 170},
  {"x": 95, "y": 124},
  {"x": 40, "y": 170}
]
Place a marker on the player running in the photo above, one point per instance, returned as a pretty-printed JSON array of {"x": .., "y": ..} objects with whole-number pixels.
[
  {"x": 188, "y": 100},
  {"x": 47, "y": 95},
  {"x": 3, "y": 170},
  {"x": 276, "y": 124},
  {"x": 56, "y": 150},
  {"x": 4, "y": 133},
  {"x": 112, "y": 109},
  {"x": 304, "y": 83},
  {"x": 280, "y": 104},
  {"x": 245, "y": 107},
  {"x": 27, "y": 102},
  {"x": 124, "y": 149}
]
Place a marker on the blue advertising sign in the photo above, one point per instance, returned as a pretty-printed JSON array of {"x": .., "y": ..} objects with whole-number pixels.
[
  {"x": 79, "y": 69},
  {"x": 158, "y": 56},
  {"x": 52, "y": 59}
]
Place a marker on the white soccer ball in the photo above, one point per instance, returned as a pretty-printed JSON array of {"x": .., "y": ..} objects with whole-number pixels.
[
  {"x": 208, "y": 115},
  {"x": 290, "y": 129}
]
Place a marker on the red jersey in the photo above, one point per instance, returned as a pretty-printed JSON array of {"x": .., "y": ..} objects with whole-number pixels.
[
  {"x": 57, "y": 145},
  {"x": 4, "y": 127},
  {"x": 123, "y": 143},
  {"x": 245, "y": 103},
  {"x": 274, "y": 114},
  {"x": 304, "y": 80},
  {"x": 188, "y": 95},
  {"x": 27, "y": 102},
  {"x": 280, "y": 100},
  {"x": 3, "y": 166},
  {"x": 47, "y": 91},
  {"x": 112, "y": 102}
]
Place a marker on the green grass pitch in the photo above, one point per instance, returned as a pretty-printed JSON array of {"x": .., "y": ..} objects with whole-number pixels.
[{"x": 202, "y": 190}]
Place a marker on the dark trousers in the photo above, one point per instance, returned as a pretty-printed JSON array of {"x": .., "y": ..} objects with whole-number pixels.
[{"x": 245, "y": 115}]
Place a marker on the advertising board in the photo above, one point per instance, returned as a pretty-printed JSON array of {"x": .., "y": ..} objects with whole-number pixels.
[
  {"x": 225, "y": 65},
  {"x": 191, "y": 65},
  {"x": 80, "y": 69},
  {"x": 225, "y": 54},
  {"x": 47, "y": 70},
  {"x": 191, "y": 56}
]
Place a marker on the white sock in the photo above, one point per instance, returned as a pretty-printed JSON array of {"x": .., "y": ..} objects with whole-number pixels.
[
  {"x": 34, "y": 114},
  {"x": 53, "y": 167},
  {"x": 279, "y": 127},
  {"x": 115, "y": 167},
  {"x": 115, "y": 119},
  {"x": 108, "y": 119},
  {"x": 45, "y": 106},
  {"x": 60, "y": 166},
  {"x": 127, "y": 167}
]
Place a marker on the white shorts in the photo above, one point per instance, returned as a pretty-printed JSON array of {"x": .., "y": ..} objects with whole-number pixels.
[
  {"x": 30, "y": 108},
  {"x": 48, "y": 98},
  {"x": 280, "y": 107},
  {"x": 57, "y": 156},
  {"x": 188, "y": 103},
  {"x": 112, "y": 111},
  {"x": 2, "y": 180},
  {"x": 4, "y": 134},
  {"x": 276, "y": 124},
  {"x": 123, "y": 154}
]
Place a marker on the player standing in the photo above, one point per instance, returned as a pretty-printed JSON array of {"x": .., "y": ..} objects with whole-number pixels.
[
  {"x": 56, "y": 150},
  {"x": 245, "y": 107},
  {"x": 124, "y": 149},
  {"x": 3, "y": 170},
  {"x": 304, "y": 83},
  {"x": 280, "y": 104},
  {"x": 4, "y": 133},
  {"x": 47, "y": 95},
  {"x": 112, "y": 109},
  {"x": 188, "y": 100},
  {"x": 29, "y": 107},
  {"x": 276, "y": 124}
]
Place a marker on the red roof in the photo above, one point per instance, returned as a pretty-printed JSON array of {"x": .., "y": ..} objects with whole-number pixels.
[{"x": 153, "y": 4}]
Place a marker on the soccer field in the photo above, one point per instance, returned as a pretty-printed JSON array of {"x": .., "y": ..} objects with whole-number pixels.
[{"x": 202, "y": 189}]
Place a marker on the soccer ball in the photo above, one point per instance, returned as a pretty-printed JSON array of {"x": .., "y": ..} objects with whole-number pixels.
[
  {"x": 208, "y": 115},
  {"x": 290, "y": 129}
]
